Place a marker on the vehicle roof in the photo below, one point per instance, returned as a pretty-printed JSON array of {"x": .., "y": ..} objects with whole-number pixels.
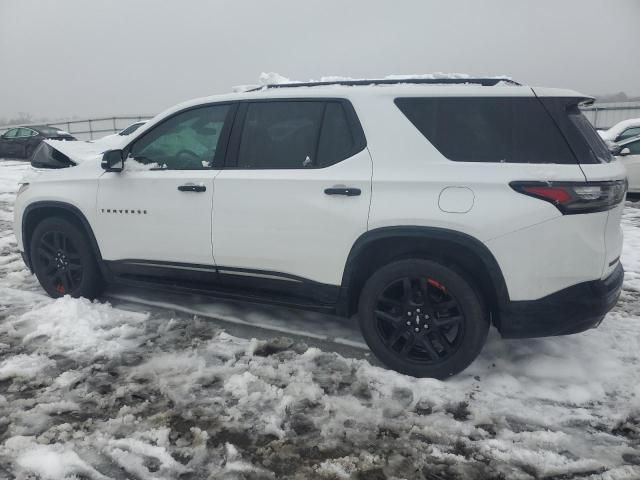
[
  {"x": 624, "y": 124},
  {"x": 40, "y": 128},
  {"x": 336, "y": 90}
]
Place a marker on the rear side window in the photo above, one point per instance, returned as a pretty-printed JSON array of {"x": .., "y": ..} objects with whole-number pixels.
[
  {"x": 582, "y": 137},
  {"x": 597, "y": 147},
  {"x": 336, "y": 138},
  {"x": 488, "y": 129},
  {"x": 297, "y": 134},
  {"x": 280, "y": 135}
]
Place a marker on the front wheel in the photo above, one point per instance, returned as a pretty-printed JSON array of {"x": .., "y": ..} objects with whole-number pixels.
[
  {"x": 63, "y": 260},
  {"x": 422, "y": 318}
]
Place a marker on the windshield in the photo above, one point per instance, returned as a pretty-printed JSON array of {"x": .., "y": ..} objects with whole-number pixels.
[
  {"x": 48, "y": 130},
  {"x": 131, "y": 128}
]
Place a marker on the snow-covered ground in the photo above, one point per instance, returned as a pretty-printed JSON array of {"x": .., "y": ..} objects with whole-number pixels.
[{"x": 113, "y": 390}]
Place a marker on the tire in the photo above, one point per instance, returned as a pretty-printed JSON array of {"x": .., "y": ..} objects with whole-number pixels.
[
  {"x": 424, "y": 295},
  {"x": 63, "y": 260}
]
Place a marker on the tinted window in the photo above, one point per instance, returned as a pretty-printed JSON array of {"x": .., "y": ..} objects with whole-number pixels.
[
  {"x": 486, "y": 129},
  {"x": 23, "y": 132},
  {"x": 629, "y": 132},
  {"x": 186, "y": 141},
  {"x": 634, "y": 147},
  {"x": 49, "y": 130},
  {"x": 131, "y": 128},
  {"x": 280, "y": 135},
  {"x": 11, "y": 133},
  {"x": 336, "y": 139},
  {"x": 597, "y": 148}
]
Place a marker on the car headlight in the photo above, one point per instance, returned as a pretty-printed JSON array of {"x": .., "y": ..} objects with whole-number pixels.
[{"x": 22, "y": 188}]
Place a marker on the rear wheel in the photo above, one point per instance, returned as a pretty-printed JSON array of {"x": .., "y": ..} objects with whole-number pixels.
[
  {"x": 422, "y": 318},
  {"x": 63, "y": 261}
]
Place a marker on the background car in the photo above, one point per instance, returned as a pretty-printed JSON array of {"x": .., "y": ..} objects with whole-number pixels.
[
  {"x": 112, "y": 140},
  {"x": 21, "y": 142},
  {"x": 621, "y": 131},
  {"x": 628, "y": 152}
]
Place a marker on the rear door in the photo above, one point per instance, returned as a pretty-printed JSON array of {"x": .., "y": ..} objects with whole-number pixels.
[
  {"x": 155, "y": 215},
  {"x": 295, "y": 195}
]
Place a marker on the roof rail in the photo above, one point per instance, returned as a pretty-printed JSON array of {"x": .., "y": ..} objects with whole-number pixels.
[{"x": 484, "y": 81}]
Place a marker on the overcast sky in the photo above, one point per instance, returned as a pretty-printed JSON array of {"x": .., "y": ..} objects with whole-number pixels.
[{"x": 81, "y": 58}]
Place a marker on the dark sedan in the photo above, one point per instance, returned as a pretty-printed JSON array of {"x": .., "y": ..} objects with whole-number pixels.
[{"x": 20, "y": 142}]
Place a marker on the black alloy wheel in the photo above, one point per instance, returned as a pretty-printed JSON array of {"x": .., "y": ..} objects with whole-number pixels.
[
  {"x": 422, "y": 318},
  {"x": 63, "y": 260},
  {"x": 419, "y": 319}
]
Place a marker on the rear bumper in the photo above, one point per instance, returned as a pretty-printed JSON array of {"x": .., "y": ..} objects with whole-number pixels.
[{"x": 572, "y": 310}]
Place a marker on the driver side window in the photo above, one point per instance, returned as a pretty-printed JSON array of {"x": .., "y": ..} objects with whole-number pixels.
[
  {"x": 186, "y": 141},
  {"x": 628, "y": 133},
  {"x": 634, "y": 148}
]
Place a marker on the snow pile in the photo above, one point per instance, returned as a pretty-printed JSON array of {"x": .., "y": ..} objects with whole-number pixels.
[
  {"x": 78, "y": 328},
  {"x": 26, "y": 366}
]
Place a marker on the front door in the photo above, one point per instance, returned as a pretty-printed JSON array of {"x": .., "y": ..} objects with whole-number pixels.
[
  {"x": 296, "y": 196},
  {"x": 156, "y": 213}
]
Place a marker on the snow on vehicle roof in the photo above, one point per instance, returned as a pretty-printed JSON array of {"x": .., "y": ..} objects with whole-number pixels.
[
  {"x": 620, "y": 127},
  {"x": 272, "y": 79}
]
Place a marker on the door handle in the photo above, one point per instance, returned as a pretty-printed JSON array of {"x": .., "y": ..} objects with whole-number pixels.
[
  {"x": 192, "y": 187},
  {"x": 346, "y": 191}
]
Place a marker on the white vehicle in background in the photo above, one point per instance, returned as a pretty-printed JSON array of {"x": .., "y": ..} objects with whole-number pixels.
[
  {"x": 621, "y": 131},
  {"x": 431, "y": 208},
  {"x": 628, "y": 152},
  {"x": 109, "y": 141}
]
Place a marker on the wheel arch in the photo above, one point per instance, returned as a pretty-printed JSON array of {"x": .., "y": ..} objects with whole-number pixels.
[
  {"x": 35, "y": 212},
  {"x": 381, "y": 246}
]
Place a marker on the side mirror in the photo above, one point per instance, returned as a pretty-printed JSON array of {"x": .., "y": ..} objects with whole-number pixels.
[
  {"x": 112, "y": 161},
  {"x": 624, "y": 152}
]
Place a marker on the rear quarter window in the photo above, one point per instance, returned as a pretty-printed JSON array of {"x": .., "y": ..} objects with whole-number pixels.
[
  {"x": 587, "y": 146},
  {"x": 488, "y": 129}
]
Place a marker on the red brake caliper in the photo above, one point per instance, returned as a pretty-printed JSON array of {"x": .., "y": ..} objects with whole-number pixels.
[
  {"x": 437, "y": 284},
  {"x": 60, "y": 289}
]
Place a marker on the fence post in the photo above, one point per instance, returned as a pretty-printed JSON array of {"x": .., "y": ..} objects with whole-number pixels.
[
  {"x": 114, "y": 125},
  {"x": 595, "y": 117},
  {"x": 90, "y": 130}
]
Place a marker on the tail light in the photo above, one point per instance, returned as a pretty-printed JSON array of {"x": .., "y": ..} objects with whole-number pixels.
[{"x": 576, "y": 197}]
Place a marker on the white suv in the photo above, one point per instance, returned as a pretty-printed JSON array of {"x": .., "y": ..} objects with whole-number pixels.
[{"x": 432, "y": 208}]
